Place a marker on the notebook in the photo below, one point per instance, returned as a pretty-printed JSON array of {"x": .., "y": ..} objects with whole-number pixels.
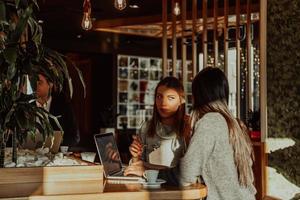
[{"x": 110, "y": 158}]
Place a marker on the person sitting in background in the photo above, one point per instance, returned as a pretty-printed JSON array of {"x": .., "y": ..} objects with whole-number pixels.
[
  {"x": 163, "y": 139},
  {"x": 57, "y": 105},
  {"x": 220, "y": 150}
]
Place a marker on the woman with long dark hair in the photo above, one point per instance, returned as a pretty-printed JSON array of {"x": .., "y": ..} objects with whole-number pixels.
[
  {"x": 220, "y": 150},
  {"x": 162, "y": 140}
]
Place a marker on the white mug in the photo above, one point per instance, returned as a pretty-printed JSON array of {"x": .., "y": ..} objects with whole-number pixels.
[
  {"x": 64, "y": 149},
  {"x": 151, "y": 175}
]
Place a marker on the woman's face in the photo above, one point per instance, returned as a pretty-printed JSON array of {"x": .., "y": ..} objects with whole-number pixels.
[{"x": 167, "y": 101}]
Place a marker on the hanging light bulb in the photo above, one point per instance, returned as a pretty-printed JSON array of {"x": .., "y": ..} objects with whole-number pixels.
[
  {"x": 176, "y": 9},
  {"x": 120, "y": 4},
  {"x": 86, "y": 22}
]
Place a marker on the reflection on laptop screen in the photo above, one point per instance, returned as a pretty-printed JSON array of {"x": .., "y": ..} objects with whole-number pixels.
[{"x": 108, "y": 153}]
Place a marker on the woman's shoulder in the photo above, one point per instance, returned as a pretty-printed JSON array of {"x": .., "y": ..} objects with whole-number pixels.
[
  {"x": 213, "y": 116},
  {"x": 212, "y": 119}
]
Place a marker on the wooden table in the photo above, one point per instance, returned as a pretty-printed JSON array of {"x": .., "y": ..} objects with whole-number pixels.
[{"x": 93, "y": 190}]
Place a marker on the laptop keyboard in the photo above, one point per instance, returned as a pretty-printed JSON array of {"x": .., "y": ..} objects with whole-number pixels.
[{"x": 120, "y": 173}]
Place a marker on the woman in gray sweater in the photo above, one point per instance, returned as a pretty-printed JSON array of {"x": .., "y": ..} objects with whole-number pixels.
[{"x": 220, "y": 150}]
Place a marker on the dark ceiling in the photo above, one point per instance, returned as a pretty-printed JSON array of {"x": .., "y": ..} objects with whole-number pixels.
[{"x": 62, "y": 18}]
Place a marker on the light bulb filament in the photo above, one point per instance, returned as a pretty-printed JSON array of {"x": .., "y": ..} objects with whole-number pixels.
[
  {"x": 176, "y": 9},
  {"x": 120, "y": 4},
  {"x": 86, "y": 23}
]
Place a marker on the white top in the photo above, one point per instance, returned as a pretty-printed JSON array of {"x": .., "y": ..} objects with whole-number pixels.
[
  {"x": 46, "y": 105},
  {"x": 164, "y": 148}
]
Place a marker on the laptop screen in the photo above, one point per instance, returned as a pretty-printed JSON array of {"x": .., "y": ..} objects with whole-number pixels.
[{"x": 108, "y": 153}]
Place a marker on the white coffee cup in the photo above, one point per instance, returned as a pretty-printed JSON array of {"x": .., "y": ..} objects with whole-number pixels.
[
  {"x": 88, "y": 156},
  {"x": 151, "y": 175},
  {"x": 64, "y": 149}
]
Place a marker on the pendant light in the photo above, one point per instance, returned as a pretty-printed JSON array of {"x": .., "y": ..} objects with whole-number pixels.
[
  {"x": 120, "y": 4},
  {"x": 176, "y": 9},
  {"x": 86, "y": 22}
]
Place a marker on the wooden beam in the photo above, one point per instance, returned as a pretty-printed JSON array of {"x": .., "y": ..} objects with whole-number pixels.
[
  {"x": 216, "y": 53},
  {"x": 194, "y": 46},
  {"x": 183, "y": 46},
  {"x": 238, "y": 60},
  {"x": 249, "y": 88},
  {"x": 226, "y": 37},
  {"x": 263, "y": 69},
  {"x": 174, "y": 40},
  {"x": 164, "y": 38},
  {"x": 127, "y": 21},
  {"x": 108, "y": 23},
  {"x": 204, "y": 32}
]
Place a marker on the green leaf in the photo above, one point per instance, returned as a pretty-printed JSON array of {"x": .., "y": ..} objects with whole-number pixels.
[
  {"x": 22, "y": 22},
  {"x": 10, "y": 54},
  {"x": 11, "y": 71},
  {"x": 56, "y": 122},
  {"x": 9, "y": 115},
  {"x": 17, "y": 3},
  {"x": 82, "y": 80},
  {"x": 36, "y": 4},
  {"x": 36, "y": 31},
  {"x": 2, "y": 12}
]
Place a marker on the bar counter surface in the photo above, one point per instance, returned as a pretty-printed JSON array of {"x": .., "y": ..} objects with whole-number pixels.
[{"x": 92, "y": 190}]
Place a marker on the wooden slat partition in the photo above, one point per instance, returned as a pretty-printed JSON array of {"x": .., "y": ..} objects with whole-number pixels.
[
  {"x": 194, "y": 31},
  {"x": 204, "y": 32},
  {"x": 174, "y": 41},
  {"x": 183, "y": 45},
  {"x": 249, "y": 88},
  {"x": 164, "y": 38},
  {"x": 238, "y": 59},
  {"x": 215, "y": 42},
  {"x": 263, "y": 86},
  {"x": 263, "y": 68},
  {"x": 226, "y": 36}
]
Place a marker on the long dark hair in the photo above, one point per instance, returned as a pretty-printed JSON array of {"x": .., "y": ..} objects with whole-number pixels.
[
  {"x": 175, "y": 84},
  {"x": 211, "y": 91},
  {"x": 210, "y": 85}
]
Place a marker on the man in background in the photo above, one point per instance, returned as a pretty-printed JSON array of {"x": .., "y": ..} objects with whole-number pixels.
[{"x": 58, "y": 105}]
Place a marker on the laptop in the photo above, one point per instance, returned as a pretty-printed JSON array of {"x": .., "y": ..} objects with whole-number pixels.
[{"x": 110, "y": 158}]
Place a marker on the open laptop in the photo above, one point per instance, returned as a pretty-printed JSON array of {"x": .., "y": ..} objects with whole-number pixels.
[{"x": 110, "y": 158}]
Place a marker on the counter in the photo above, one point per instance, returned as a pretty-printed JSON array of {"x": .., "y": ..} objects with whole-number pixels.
[{"x": 92, "y": 190}]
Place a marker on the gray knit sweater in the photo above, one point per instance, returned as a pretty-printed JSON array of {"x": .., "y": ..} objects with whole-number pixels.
[{"x": 210, "y": 155}]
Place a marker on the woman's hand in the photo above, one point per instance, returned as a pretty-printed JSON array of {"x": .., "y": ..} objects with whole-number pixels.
[
  {"x": 136, "y": 148},
  {"x": 136, "y": 168}
]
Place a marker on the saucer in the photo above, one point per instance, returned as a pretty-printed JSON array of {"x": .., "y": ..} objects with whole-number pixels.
[
  {"x": 153, "y": 185},
  {"x": 68, "y": 153}
]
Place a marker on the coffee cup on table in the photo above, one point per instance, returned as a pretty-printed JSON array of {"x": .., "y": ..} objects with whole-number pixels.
[
  {"x": 88, "y": 156},
  {"x": 151, "y": 175},
  {"x": 64, "y": 149}
]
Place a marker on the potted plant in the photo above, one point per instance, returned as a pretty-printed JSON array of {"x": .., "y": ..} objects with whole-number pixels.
[{"x": 22, "y": 57}]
